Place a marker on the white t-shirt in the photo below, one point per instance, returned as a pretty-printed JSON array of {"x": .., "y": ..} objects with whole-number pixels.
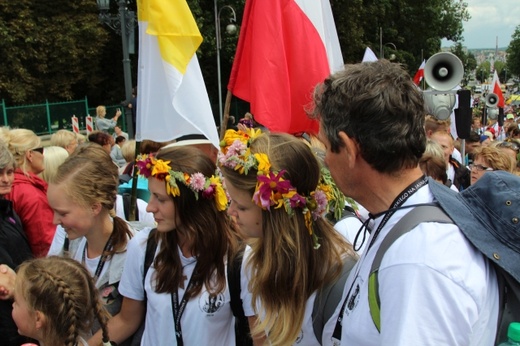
[
  {"x": 307, "y": 337},
  {"x": 435, "y": 288},
  {"x": 203, "y": 322},
  {"x": 144, "y": 216}
]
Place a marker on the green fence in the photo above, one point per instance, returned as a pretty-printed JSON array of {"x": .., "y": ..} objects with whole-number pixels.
[{"x": 49, "y": 117}]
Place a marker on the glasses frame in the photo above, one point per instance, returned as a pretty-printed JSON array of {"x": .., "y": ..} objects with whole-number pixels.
[{"x": 480, "y": 168}]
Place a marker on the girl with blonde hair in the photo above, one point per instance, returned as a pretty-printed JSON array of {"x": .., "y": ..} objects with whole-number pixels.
[
  {"x": 56, "y": 302},
  {"x": 82, "y": 196},
  {"x": 29, "y": 191},
  {"x": 278, "y": 201}
]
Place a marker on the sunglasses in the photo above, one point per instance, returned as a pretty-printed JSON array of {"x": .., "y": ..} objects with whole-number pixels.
[{"x": 39, "y": 149}]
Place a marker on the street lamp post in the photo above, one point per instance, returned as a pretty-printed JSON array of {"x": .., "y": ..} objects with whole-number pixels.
[
  {"x": 123, "y": 24},
  {"x": 381, "y": 45},
  {"x": 230, "y": 29}
]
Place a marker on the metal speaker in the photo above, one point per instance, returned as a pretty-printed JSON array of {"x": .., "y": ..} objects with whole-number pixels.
[
  {"x": 438, "y": 104},
  {"x": 492, "y": 113},
  {"x": 491, "y": 100},
  {"x": 443, "y": 71}
]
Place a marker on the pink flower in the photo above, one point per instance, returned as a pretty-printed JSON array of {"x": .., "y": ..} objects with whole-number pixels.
[
  {"x": 270, "y": 189},
  {"x": 144, "y": 167},
  {"x": 197, "y": 181},
  {"x": 209, "y": 192},
  {"x": 297, "y": 201},
  {"x": 321, "y": 202}
]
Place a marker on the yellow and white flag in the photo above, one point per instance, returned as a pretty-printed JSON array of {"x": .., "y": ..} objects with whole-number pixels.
[{"x": 172, "y": 99}]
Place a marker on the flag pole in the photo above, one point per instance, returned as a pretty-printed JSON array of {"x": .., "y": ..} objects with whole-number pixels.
[{"x": 225, "y": 119}]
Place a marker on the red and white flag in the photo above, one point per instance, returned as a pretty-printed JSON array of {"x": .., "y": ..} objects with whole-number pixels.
[
  {"x": 285, "y": 48},
  {"x": 497, "y": 90},
  {"x": 419, "y": 75}
]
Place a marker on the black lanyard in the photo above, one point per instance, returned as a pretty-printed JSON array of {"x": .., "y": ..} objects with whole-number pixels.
[
  {"x": 396, "y": 205},
  {"x": 102, "y": 259},
  {"x": 178, "y": 310}
]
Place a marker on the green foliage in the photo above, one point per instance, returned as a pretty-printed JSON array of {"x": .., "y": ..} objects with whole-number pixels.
[
  {"x": 58, "y": 50},
  {"x": 483, "y": 71},
  {"x": 47, "y": 53},
  {"x": 513, "y": 51}
]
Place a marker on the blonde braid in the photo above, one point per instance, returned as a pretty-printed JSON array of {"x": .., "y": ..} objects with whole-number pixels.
[{"x": 69, "y": 309}]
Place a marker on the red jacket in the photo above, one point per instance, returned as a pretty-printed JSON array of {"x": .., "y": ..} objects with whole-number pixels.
[{"x": 29, "y": 196}]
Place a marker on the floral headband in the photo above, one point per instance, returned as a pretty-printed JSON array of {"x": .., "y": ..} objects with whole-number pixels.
[
  {"x": 272, "y": 190},
  {"x": 209, "y": 188}
]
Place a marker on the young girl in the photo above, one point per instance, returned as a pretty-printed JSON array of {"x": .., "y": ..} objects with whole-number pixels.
[
  {"x": 184, "y": 292},
  {"x": 278, "y": 200},
  {"x": 56, "y": 302},
  {"x": 82, "y": 196}
]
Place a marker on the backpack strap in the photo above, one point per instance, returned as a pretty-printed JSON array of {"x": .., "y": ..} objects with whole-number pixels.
[
  {"x": 151, "y": 247},
  {"x": 419, "y": 214},
  {"x": 328, "y": 299},
  {"x": 234, "y": 268}
]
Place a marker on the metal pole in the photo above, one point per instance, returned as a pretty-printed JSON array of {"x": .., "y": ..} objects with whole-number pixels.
[
  {"x": 126, "y": 62},
  {"x": 381, "y": 43},
  {"x": 219, "y": 77}
]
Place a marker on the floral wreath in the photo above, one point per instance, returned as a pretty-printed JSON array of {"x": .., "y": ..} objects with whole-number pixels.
[
  {"x": 272, "y": 190},
  {"x": 209, "y": 188}
]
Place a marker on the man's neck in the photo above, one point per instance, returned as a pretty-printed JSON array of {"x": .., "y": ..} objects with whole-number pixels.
[{"x": 380, "y": 190}]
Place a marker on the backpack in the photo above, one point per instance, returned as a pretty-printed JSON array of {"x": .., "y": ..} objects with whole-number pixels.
[
  {"x": 488, "y": 214},
  {"x": 324, "y": 305}
]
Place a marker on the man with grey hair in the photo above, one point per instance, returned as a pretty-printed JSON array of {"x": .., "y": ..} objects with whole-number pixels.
[{"x": 434, "y": 287}]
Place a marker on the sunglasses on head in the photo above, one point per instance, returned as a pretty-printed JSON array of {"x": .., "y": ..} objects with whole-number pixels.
[{"x": 39, "y": 149}]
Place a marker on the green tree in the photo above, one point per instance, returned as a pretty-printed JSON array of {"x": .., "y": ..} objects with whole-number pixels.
[
  {"x": 513, "y": 51},
  {"x": 46, "y": 52},
  {"x": 483, "y": 71}
]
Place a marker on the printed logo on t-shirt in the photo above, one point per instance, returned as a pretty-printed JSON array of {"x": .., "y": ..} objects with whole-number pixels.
[
  {"x": 353, "y": 299},
  {"x": 210, "y": 303}
]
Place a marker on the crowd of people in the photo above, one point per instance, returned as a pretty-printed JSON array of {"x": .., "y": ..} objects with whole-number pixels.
[{"x": 269, "y": 239}]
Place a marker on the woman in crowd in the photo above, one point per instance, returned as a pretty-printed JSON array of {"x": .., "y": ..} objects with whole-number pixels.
[
  {"x": 82, "y": 196},
  {"x": 103, "y": 124},
  {"x": 54, "y": 157},
  {"x": 487, "y": 159},
  {"x": 278, "y": 200},
  {"x": 14, "y": 247},
  {"x": 56, "y": 302},
  {"x": 66, "y": 139},
  {"x": 29, "y": 191},
  {"x": 183, "y": 294}
]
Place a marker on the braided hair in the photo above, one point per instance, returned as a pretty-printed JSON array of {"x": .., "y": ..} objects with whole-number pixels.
[{"x": 63, "y": 291}]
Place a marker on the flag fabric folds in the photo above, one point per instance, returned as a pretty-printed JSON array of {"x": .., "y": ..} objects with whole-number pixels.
[
  {"x": 369, "y": 55},
  {"x": 497, "y": 90},
  {"x": 285, "y": 48},
  {"x": 172, "y": 97},
  {"x": 419, "y": 75}
]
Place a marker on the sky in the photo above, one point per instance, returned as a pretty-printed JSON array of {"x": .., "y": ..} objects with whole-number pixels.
[{"x": 489, "y": 19}]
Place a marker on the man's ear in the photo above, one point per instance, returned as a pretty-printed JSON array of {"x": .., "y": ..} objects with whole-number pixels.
[{"x": 350, "y": 148}]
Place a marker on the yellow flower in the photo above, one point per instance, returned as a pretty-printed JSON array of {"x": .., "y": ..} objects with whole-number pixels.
[
  {"x": 254, "y": 133},
  {"x": 173, "y": 190},
  {"x": 220, "y": 195},
  {"x": 160, "y": 167},
  {"x": 263, "y": 163}
]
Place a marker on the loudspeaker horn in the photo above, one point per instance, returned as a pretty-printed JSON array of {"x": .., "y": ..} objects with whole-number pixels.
[
  {"x": 491, "y": 100},
  {"x": 443, "y": 71}
]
